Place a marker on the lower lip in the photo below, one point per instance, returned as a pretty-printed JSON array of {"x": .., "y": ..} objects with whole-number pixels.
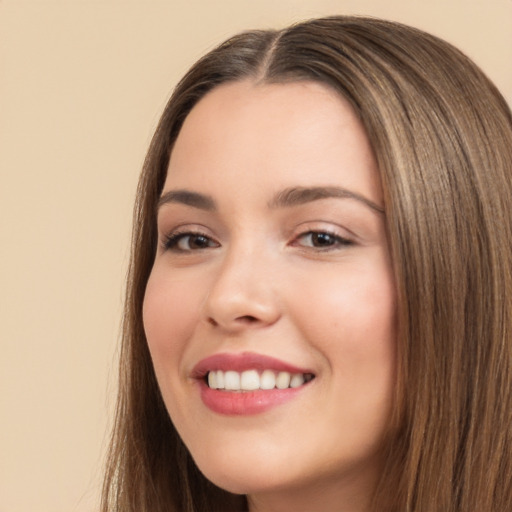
[{"x": 232, "y": 403}]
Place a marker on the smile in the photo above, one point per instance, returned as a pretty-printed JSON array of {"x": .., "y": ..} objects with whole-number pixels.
[
  {"x": 248, "y": 383},
  {"x": 252, "y": 380}
]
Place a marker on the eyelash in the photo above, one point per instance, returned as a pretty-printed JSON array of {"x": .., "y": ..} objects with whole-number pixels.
[
  {"x": 172, "y": 241},
  {"x": 338, "y": 241}
]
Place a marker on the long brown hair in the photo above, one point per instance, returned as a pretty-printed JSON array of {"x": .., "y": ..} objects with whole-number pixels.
[{"x": 442, "y": 136}]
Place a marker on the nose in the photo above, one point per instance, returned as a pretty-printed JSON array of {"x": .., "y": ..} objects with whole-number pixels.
[{"x": 243, "y": 293}]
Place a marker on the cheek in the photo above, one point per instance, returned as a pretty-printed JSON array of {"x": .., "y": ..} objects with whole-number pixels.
[
  {"x": 350, "y": 317},
  {"x": 170, "y": 313}
]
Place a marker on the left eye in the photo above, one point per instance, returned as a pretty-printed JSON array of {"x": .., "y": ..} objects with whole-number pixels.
[
  {"x": 189, "y": 242},
  {"x": 321, "y": 240}
]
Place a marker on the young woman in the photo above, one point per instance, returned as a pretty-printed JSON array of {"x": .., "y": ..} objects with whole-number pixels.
[{"x": 319, "y": 306}]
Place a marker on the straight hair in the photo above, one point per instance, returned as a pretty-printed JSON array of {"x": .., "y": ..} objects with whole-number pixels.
[{"x": 442, "y": 137}]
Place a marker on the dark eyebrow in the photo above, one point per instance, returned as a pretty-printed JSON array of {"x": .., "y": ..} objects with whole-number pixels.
[
  {"x": 299, "y": 195},
  {"x": 189, "y": 198},
  {"x": 288, "y": 197}
]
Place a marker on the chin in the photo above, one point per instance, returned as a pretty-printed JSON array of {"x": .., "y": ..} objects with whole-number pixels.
[
  {"x": 239, "y": 476},
  {"x": 243, "y": 474},
  {"x": 267, "y": 472}
]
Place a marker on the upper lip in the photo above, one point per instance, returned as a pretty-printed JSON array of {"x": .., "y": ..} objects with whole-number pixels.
[{"x": 240, "y": 362}]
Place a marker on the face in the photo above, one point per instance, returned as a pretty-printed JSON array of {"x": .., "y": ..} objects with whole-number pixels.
[{"x": 269, "y": 311}]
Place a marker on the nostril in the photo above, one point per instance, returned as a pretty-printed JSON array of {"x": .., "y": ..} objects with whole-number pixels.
[
  {"x": 247, "y": 319},
  {"x": 240, "y": 320}
]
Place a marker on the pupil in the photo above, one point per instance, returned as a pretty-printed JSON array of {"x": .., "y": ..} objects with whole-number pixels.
[
  {"x": 322, "y": 239},
  {"x": 199, "y": 241}
]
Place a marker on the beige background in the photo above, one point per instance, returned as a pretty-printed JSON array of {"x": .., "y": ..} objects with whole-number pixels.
[{"x": 81, "y": 86}]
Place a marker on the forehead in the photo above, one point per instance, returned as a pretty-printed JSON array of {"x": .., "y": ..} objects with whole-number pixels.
[{"x": 290, "y": 134}]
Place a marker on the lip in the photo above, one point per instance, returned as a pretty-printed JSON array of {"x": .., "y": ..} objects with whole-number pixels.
[
  {"x": 241, "y": 362},
  {"x": 236, "y": 403}
]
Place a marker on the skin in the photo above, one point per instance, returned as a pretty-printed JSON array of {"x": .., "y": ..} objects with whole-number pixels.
[{"x": 260, "y": 282}]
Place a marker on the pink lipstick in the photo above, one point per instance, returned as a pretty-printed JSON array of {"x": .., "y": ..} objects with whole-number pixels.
[{"x": 248, "y": 383}]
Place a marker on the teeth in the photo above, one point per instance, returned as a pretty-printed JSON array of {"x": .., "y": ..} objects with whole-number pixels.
[
  {"x": 212, "y": 380},
  {"x": 283, "y": 380},
  {"x": 251, "y": 380},
  {"x": 232, "y": 381},
  {"x": 296, "y": 380},
  {"x": 268, "y": 380},
  {"x": 220, "y": 379}
]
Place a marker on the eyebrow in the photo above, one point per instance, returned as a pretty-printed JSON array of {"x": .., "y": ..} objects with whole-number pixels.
[
  {"x": 300, "y": 195},
  {"x": 286, "y": 198},
  {"x": 201, "y": 201}
]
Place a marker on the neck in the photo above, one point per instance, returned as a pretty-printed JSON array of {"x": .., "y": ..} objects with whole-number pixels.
[{"x": 351, "y": 495}]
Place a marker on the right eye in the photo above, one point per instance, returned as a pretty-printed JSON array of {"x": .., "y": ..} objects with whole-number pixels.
[{"x": 188, "y": 241}]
